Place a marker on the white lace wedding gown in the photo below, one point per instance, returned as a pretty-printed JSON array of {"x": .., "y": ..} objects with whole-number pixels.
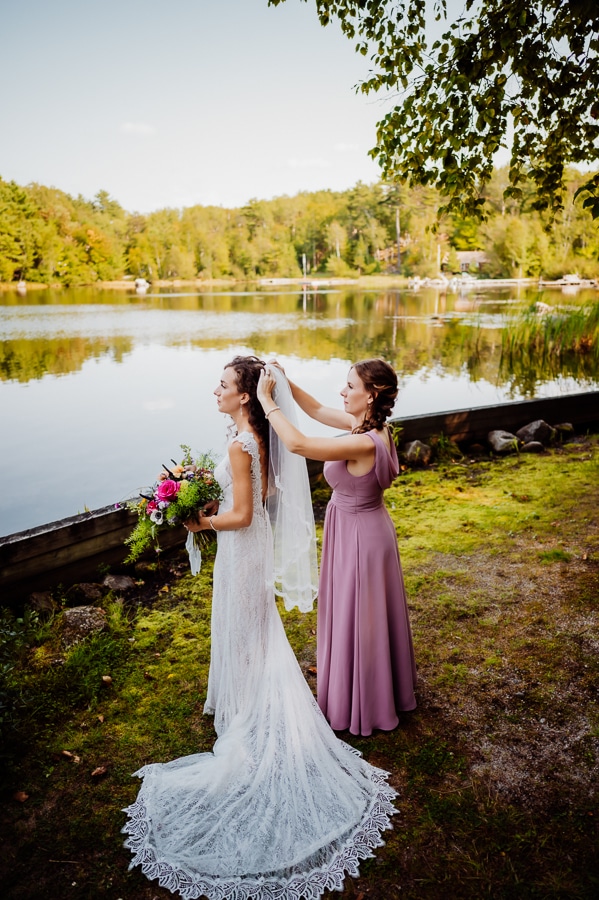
[{"x": 281, "y": 809}]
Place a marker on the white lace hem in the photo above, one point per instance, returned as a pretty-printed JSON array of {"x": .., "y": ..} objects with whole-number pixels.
[{"x": 308, "y": 885}]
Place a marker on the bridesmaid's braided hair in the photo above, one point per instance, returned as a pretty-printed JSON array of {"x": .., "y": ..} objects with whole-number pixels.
[
  {"x": 247, "y": 372},
  {"x": 380, "y": 380}
]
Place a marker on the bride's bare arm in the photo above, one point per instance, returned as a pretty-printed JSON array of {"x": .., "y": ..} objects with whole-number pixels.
[{"x": 241, "y": 514}]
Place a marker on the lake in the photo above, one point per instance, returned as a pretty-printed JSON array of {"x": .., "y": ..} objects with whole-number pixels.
[{"x": 99, "y": 387}]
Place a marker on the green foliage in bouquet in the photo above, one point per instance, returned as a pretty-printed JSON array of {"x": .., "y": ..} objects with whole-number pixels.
[
  {"x": 177, "y": 496},
  {"x": 142, "y": 536}
]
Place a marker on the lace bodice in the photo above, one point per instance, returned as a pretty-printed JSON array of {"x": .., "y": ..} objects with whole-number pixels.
[{"x": 224, "y": 477}]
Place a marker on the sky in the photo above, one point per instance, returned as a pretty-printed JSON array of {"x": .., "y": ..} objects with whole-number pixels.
[{"x": 171, "y": 103}]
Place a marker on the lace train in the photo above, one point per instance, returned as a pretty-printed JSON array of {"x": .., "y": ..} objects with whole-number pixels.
[
  {"x": 281, "y": 809},
  {"x": 309, "y": 885}
]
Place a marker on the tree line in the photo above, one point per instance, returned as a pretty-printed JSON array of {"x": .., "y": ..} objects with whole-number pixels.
[{"x": 49, "y": 237}]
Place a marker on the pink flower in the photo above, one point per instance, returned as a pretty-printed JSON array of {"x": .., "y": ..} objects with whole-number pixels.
[
  {"x": 151, "y": 506},
  {"x": 167, "y": 490}
]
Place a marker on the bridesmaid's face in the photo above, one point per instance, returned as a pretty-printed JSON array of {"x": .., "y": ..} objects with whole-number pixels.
[
  {"x": 228, "y": 396},
  {"x": 355, "y": 396}
]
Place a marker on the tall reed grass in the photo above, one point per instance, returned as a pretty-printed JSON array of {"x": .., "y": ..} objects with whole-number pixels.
[{"x": 542, "y": 343}]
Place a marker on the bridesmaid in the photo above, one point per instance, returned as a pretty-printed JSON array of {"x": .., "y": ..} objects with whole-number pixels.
[{"x": 365, "y": 657}]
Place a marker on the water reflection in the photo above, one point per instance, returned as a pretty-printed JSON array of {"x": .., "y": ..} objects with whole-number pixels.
[
  {"x": 55, "y": 332},
  {"x": 98, "y": 387},
  {"x": 29, "y": 358}
]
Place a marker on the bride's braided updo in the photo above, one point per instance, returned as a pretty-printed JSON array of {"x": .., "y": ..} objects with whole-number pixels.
[
  {"x": 380, "y": 380},
  {"x": 247, "y": 372}
]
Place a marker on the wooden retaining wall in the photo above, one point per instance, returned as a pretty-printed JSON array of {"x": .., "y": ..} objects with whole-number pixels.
[
  {"x": 68, "y": 551},
  {"x": 75, "y": 549},
  {"x": 471, "y": 425}
]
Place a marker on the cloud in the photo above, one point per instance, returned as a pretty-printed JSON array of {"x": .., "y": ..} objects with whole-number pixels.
[
  {"x": 158, "y": 405},
  {"x": 137, "y": 128},
  {"x": 347, "y": 148},
  {"x": 310, "y": 163}
]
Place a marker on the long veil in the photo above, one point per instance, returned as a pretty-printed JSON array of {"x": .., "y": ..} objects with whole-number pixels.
[{"x": 289, "y": 506}]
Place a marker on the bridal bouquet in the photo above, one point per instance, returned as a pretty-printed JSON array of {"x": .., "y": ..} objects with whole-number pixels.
[{"x": 179, "y": 494}]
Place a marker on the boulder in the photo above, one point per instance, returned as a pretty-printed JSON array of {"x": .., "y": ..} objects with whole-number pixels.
[
  {"x": 79, "y": 622},
  {"x": 42, "y": 602},
  {"x": 84, "y": 594},
  {"x": 532, "y": 447},
  {"x": 564, "y": 428},
  {"x": 119, "y": 582},
  {"x": 502, "y": 441},
  {"x": 477, "y": 450},
  {"x": 418, "y": 454},
  {"x": 536, "y": 431}
]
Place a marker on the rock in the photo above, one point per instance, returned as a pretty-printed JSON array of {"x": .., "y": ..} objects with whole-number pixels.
[
  {"x": 532, "y": 447},
  {"x": 477, "y": 450},
  {"x": 84, "y": 594},
  {"x": 42, "y": 601},
  {"x": 564, "y": 428},
  {"x": 502, "y": 441},
  {"x": 417, "y": 453},
  {"x": 119, "y": 582},
  {"x": 536, "y": 431},
  {"x": 79, "y": 622}
]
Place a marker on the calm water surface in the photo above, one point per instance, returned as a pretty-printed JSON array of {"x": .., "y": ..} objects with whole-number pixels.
[{"x": 98, "y": 388}]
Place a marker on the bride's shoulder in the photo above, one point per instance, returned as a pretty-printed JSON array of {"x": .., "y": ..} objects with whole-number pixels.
[{"x": 246, "y": 440}]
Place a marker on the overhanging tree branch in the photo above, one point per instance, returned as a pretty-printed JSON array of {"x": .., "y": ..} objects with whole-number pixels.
[{"x": 517, "y": 72}]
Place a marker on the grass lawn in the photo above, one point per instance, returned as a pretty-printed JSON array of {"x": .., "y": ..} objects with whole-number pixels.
[{"x": 497, "y": 770}]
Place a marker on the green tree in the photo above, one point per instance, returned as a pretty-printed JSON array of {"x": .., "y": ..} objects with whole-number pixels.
[
  {"x": 18, "y": 222},
  {"x": 337, "y": 238},
  {"x": 50, "y": 237},
  {"x": 452, "y": 264},
  {"x": 464, "y": 233},
  {"x": 161, "y": 233},
  {"x": 528, "y": 65},
  {"x": 205, "y": 233},
  {"x": 510, "y": 250}
]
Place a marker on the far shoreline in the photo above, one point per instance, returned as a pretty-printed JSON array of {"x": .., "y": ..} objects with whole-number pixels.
[{"x": 318, "y": 281}]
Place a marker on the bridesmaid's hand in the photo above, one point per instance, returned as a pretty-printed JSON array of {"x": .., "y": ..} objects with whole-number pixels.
[
  {"x": 266, "y": 385},
  {"x": 275, "y": 362}
]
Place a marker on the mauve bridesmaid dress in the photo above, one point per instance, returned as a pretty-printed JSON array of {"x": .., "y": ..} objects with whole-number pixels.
[{"x": 366, "y": 668}]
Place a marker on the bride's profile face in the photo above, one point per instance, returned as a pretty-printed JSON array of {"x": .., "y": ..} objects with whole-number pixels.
[
  {"x": 227, "y": 393},
  {"x": 355, "y": 396}
]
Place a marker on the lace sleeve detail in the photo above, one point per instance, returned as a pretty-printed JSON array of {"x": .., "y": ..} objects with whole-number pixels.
[
  {"x": 250, "y": 445},
  {"x": 248, "y": 442}
]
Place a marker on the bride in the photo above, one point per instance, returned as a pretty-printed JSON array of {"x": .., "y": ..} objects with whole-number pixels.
[{"x": 281, "y": 809}]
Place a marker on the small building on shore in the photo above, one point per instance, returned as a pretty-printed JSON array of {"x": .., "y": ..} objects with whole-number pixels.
[{"x": 472, "y": 260}]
